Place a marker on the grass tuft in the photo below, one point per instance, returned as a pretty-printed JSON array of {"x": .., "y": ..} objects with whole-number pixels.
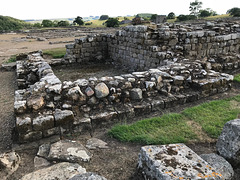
[
  {"x": 237, "y": 78},
  {"x": 12, "y": 59},
  {"x": 55, "y": 52}
]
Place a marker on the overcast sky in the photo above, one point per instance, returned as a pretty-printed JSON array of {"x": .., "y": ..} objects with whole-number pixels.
[{"x": 47, "y": 9}]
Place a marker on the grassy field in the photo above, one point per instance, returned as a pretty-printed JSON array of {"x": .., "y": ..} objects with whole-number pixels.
[{"x": 205, "y": 120}]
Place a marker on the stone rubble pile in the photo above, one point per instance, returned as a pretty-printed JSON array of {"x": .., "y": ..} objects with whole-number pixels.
[{"x": 45, "y": 106}]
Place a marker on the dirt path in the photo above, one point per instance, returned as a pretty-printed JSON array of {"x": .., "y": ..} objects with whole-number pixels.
[
  {"x": 7, "y": 80},
  {"x": 11, "y": 44}
]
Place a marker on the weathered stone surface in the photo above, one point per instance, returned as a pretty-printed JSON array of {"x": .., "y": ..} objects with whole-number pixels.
[
  {"x": 30, "y": 136},
  {"x": 23, "y": 124},
  {"x": 101, "y": 90},
  {"x": 89, "y": 91},
  {"x": 40, "y": 162},
  {"x": 43, "y": 122},
  {"x": 75, "y": 93},
  {"x": 136, "y": 94},
  {"x": 43, "y": 150},
  {"x": 174, "y": 161},
  {"x": 9, "y": 66},
  {"x": 20, "y": 106},
  {"x": 9, "y": 163},
  {"x": 95, "y": 143},
  {"x": 63, "y": 171},
  {"x": 63, "y": 116},
  {"x": 35, "y": 103},
  {"x": 71, "y": 151},
  {"x": 220, "y": 164},
  {"x": 228, "y": 144},
  {"x": 88, "y": 176}
]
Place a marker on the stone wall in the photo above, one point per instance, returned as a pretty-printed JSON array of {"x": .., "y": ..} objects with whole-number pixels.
[
  {"x": 45, "y": 106},
  {"x": 144, "y": 47}
]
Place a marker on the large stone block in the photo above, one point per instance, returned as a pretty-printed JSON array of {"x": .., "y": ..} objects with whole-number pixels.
[
  {"x": 174, "y": 161},
  {"x": 228, "y": 144}
]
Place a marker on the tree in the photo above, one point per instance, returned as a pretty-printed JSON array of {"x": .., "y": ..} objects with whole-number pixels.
[
  {"x": 171, "y": 15},
  {"x": 63, "y": 24},
  {"x": 204, "y": 13},
  {"x": 104, "y": 17},
  {"x": 112, "y": 22},
  {"x": 37, "y": 25},
  {"x": 78, "y": 20},
  {"x": 235, "y": 12},
  {"x": 195, "y": 7},
  {"x": 186, "y": 17},
  {"x": 47, "y": 23},
  {"x": 153, "y": 17}
]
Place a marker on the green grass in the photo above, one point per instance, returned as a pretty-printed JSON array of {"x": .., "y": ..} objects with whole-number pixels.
[
  {"x": 11, "y": 59},
  {"x": 55, "y": 52},
  {"x": 237, "y": 78},
  {"x": 170, "y": 128},
  {"x": 213, "y": 115},
  {"x": 173, "y": 128}
]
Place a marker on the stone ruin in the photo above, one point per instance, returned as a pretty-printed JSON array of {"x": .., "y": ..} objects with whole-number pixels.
[{"x": 168, "y": 65}]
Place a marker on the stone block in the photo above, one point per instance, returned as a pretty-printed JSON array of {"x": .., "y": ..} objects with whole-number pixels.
[
  {"x": 174, "y": 161},
  {"x": 63, "y": 117},
  {"x": 43, "y": 122},
  {"x": 23, "y": 124},
  {"x": 228, "y": 144}
]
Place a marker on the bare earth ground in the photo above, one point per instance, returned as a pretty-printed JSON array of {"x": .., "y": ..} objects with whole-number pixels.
[{"x": 116, "y": 163}]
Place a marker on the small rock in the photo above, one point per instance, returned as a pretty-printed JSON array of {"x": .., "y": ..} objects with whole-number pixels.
[
  {"x": 40, "y": 162},
  {"x": 43, "y": 150},
  {"x": 20, "y": 106},
  {"x": 63, "y": 171},
  {"x": 88, "y": 176},
  {"x": 89, "y": 91},
  {"x": 136, "y": 94},
  {"x": 9, "y": 163},
  {"x": 95, "y": 143},
  {"x": 35, "y": 103},
  {"x": 101, "y": 90}
]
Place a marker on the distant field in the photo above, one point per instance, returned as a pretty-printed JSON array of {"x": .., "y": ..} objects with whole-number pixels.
[{"x": 100, "y": 23}]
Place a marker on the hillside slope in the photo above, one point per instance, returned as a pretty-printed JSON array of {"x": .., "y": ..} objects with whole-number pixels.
[{"x": 9, "y": 24}]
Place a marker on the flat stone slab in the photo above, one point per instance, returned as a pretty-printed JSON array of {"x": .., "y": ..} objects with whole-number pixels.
[
  {"x": 174, "y": 161},
  {"x": 70, "y": 151},
  {"x": 63, "y": 171},
  {"x": 95, "y": 143},
  {"x": 88, "y": 176}
]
